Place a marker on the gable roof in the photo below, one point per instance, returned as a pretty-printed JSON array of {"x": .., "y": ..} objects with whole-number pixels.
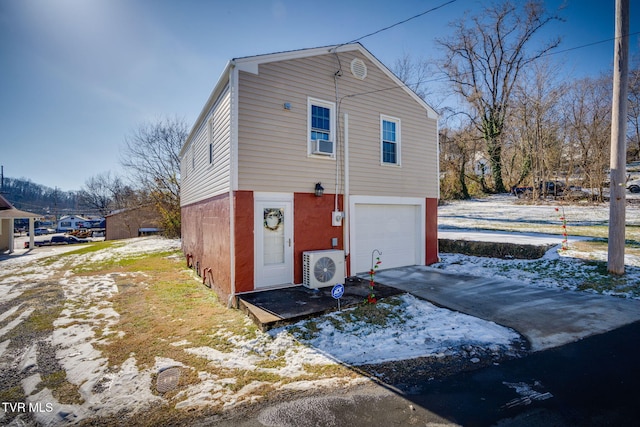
[
  {"x": 251, "y": 64},
  {"x": 8, "y": 211}
]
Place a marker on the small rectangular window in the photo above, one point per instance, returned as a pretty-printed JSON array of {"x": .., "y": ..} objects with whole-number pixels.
[
  {"x": 390, "y": 140},
  {"x": 210, "y": 138},
  {"x": 321, "y": 125}
]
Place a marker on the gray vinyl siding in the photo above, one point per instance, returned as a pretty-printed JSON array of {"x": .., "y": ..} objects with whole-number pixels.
[
  {"x": 272, "y": 141},
  {"x": 201, "y": 180}
]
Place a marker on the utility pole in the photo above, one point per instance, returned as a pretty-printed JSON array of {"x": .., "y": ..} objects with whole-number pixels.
[{"x": 617, "y": 203}]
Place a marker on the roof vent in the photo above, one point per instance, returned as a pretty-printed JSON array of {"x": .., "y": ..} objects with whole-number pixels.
[{"x": 358, "y": 68}]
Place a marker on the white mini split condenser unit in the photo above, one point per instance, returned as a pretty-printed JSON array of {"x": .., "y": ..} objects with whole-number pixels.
[{"x": 322, "y": 268}]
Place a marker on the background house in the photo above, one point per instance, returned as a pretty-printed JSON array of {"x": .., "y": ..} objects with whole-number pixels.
[
  {"x": 71, "y": 222},
  {"x": 132, "y": 222},
  {"x": 278, "y": 126}
]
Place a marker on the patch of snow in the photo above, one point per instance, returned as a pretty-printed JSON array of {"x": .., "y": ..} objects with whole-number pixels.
[{"x": 421, "y": 329}]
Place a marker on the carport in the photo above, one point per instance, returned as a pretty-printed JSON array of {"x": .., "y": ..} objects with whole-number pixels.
[{"x": 8, "y": 214}]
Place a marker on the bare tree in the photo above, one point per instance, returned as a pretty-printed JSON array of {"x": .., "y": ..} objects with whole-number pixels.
[
  {"x": 414, "y": 73},
  {"x": 633, "y": 113},
  {"x": 104, "y": 193},
  {"x": 484, "y": 59},
  {"x": 588, "y": 122},
  {"x": 151, "y": 154},
  {"x": 534, "y": 136},
  {"x": 458, "y": 151}
]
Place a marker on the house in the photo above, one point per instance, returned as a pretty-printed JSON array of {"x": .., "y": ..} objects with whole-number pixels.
[
  {"x": 8, "y": 214},
  {"x": 71, "y": 222},
  {"x": 132, "y": 222},
  {"x": 303, "y": 151}
]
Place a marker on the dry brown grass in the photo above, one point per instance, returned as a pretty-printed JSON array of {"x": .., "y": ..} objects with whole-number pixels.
[
  {"x": 163, "y": 306},
  {"x": 160, "y": 304}
]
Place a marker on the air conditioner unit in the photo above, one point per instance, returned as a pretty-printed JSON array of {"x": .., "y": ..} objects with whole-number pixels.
[
  {"x": 322, "y": 268},
  {"x": 322, "y": 146}
]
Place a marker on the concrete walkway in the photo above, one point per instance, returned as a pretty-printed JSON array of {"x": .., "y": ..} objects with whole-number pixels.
[{"x": 547, "y": 317}]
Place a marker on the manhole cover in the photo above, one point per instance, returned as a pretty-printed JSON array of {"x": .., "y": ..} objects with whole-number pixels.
[{"x": 168, "y": 379}]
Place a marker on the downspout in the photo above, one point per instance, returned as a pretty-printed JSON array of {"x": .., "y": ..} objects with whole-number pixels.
[
  {"x": 346, "y": 220},
  {"x": 337, "y": 188}
]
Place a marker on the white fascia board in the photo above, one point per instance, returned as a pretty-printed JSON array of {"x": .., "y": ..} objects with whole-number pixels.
[
  {"x": 251, "y": 63},
  {"x": 222, "y": 83},
  {"x": 233, "y": 88}
]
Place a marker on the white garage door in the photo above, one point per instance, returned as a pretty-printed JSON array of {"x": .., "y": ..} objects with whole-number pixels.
[{"x": 393, "y": 229}]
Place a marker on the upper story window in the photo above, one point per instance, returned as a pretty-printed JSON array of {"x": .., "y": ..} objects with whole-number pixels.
[
  {"x": 210, "y": 136},
  {"x": 321, "y": 127},
  {"x": 389, "y": 140}
]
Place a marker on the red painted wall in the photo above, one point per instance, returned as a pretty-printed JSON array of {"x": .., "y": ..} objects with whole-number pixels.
[
  {"x": 206, "y": 238},
  {"x": 431, "y": 225},
  {"x": 312, "y": 227},
  {"x": 244, "y": 250}
]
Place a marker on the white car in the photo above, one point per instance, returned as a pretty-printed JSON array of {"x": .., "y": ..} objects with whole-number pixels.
[{"x": 634, "y": 186}]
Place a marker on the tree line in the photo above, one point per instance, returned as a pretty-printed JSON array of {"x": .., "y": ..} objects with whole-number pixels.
[
  {"x": 515, "y": 122},
  {"x": 151, "y": 158},
  {"x": 37, "y": 198}
]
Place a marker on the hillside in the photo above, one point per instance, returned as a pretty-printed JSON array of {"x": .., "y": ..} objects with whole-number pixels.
[{"x": 37, "y": 198}]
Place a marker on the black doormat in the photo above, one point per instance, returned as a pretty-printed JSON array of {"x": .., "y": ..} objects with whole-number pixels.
[{"x": 300, "y": 301}]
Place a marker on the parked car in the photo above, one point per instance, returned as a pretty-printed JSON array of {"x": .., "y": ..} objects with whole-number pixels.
[
  {"x": 61, "y": 240},
  {"x": 634, "y": 186},
  {"x": 548, "y": 188},
  {"x": 40, "y": 231}
]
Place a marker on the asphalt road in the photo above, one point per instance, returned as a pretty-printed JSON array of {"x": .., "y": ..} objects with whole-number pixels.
[
  {"x": 595, "y": 381},
  {"x": 592, "y": 382}
]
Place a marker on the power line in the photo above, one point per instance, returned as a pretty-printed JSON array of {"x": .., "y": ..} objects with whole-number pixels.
[
  {"x": 402, "y": 22},
  {"x": 587, "y": 45},
  {"x": 445, "y": 78}
]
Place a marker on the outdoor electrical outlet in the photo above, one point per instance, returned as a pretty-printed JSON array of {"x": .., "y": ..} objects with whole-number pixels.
[
  {"x": 334, "y": 242},
  {"x": 336, "y": 218}
]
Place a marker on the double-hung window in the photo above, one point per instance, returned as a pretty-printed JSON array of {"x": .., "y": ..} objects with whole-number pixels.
[
  {"x": 389, "y": 140},
  {"x": 321, "y": 127}
]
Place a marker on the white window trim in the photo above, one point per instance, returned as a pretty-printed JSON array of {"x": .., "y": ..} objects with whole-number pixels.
[
  {"x": 397, "y": 121},
  {"x": 332, "y": 130}
]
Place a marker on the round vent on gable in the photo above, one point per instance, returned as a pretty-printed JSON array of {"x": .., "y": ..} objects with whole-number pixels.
[{"x": 358, "y": 68}]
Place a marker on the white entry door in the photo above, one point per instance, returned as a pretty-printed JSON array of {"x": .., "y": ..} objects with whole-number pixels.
[{"x": 273, "y": 239}]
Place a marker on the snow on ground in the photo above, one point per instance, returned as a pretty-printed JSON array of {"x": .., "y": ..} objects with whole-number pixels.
[
  {"x": 414, "y": 328},
  {"x": 570, "y": 269},
  {"x": 505, "y": 208}
]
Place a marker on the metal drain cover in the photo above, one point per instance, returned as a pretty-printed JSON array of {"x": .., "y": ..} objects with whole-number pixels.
[{"x": 168, "y": 379}]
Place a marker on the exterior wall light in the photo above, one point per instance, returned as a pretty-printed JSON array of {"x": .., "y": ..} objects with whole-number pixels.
[{"x": 319, "y": 190}]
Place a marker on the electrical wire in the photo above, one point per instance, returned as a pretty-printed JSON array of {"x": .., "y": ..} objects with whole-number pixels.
[
  {"x": 402, "y": 22},
  {"x": 446, "y": 78}
]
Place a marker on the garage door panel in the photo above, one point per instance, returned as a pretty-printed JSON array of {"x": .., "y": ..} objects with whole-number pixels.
[{"x": 392, "y": 229}]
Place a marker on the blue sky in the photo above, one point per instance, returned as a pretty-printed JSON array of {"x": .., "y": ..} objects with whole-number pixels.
[{"x": 78, "y": 76}]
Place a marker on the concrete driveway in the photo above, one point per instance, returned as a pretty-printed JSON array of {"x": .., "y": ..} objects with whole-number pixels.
[{"x": 547, "y": 317}]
